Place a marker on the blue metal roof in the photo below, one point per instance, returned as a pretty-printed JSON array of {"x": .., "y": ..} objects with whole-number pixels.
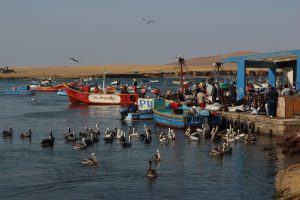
[{"x": 262, "y": 56}]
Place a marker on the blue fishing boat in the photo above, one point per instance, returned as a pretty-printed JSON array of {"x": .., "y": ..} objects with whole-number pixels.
[
  {"x": 166, "y": 117},
  {"x": 20, "y": 91}
]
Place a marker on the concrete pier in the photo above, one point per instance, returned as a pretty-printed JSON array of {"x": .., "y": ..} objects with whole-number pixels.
[{"x": 264, "y": 124}]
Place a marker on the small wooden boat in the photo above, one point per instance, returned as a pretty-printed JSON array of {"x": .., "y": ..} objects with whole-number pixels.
[
  {"x": 47, "y": 88},
  {"x": 144, "y": 111},
  {"x": 19, "y": 91},
  {"x": 44, "y": 86}
]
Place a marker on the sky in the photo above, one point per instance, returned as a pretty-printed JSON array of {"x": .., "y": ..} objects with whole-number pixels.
[{"x": 103, "y": 32}]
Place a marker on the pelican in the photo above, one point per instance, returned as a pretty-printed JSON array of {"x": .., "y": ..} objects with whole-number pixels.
[
  {"x": 79, "y": 146},
  {"x": 26, "y": 134},
  {"x": 156, "y": 157},
  {"x": 189, "y": 136},
  {"x": 125, "y": 142},
  {"x": 8, "y": 133},
  {"x": 97, "y": 129},
  {"x": 119, "y": 134},
  {"x": 216, "y": 152},
  {"x": 163, "y": 139},
  {"x": 85, "y": 132},
  {"x": 151, "y": 173},
  {"x": 70, "y": 137},
  {"x": 226, "y": 148},
  {"x": 108, "y": 136},
  {"x": 171, "y": 135},
  {"x": 90, "y": 161},
  {"x": 90, "y": 140},
  {"x": 148, "y": 138},
  {"x": 48, "y": 142},
  {"x": 133, "y": 134}
]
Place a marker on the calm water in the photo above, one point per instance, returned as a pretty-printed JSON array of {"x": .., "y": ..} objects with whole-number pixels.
[{"x": 186, "y": 171}]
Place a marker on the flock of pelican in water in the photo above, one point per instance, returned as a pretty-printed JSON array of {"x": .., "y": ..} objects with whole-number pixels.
[{"x": 89, "y": 136}]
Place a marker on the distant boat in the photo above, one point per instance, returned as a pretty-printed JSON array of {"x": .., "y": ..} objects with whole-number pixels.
[
  {"x": 115, "y": 82},
  {"x": 62, "y": 92},
  {"x": 47, "y": 89},
  {"x": 153, "y": 81},
  {"x": 20, "y": 91},
  {"x": 184, "y": 82},
  {"x": 44, "y": 86}
]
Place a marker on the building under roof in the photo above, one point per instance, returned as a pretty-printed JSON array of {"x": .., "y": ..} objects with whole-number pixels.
[{"x": 285, "y": 60}]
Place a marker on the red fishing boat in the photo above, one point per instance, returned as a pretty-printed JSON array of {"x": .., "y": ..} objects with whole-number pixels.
[{"x": 107, "y": 97}]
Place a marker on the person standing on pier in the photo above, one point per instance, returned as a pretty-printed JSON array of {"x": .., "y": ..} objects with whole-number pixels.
[
  {"x": 232, "y": 93},
  {"x": 271, "y": 99}
]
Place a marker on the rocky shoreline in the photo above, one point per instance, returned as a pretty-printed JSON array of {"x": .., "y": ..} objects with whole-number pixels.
[{"x": 288, "y": 183}]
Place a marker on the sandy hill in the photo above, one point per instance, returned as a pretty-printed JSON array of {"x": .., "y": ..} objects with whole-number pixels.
[
  {"x": 204, "y": 64},
  {"x": 208, "y": 61}
]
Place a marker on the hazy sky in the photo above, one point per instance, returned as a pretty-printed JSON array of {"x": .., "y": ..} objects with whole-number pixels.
[{"x": 49, "y": 32}]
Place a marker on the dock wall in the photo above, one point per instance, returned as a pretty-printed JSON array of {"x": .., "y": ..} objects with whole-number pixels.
[{"x": 264, "y": 124}]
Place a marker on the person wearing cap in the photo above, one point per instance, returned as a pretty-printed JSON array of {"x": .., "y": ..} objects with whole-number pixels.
[{"x": 135, "y": 86}]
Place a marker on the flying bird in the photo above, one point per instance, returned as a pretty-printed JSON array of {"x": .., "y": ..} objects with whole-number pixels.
[
  {"x": 74, "y": 60},
  {"x": 148, "y": 21}
]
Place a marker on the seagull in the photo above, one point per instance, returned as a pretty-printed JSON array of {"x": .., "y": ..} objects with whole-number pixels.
[
  {"x": 74, "y": 60},
  {"x": 148, "y": 21}
]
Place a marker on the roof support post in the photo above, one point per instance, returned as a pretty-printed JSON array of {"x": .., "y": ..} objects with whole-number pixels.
[
  {"x": 241, "y": 79},
  {"x": 272, "y": 75}
]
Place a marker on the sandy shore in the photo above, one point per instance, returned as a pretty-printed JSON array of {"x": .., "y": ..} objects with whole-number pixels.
[{"x": 88, "y": 71}]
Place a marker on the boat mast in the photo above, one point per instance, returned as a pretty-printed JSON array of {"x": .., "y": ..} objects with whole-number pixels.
[
  {"x": 181, "y": 63},
  {"x": 217, "y": 77},
  {"x": 103, "y": 83}
]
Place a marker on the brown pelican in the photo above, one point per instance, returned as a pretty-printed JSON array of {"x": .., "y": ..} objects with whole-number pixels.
[
  {"x": 79, "y": 146},
  {"x": 26, "y": 134},
  {"x": 48, "y": 142},
  {"x": 90, "y": 161},
  {"x": 151, "y": 173},
  {"x": 156, "y": 157},
  {"x": 8, "y": 133}
]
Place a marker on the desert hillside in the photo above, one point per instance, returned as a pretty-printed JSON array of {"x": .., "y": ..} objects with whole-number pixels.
[{"x": 199, "y": 64}]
